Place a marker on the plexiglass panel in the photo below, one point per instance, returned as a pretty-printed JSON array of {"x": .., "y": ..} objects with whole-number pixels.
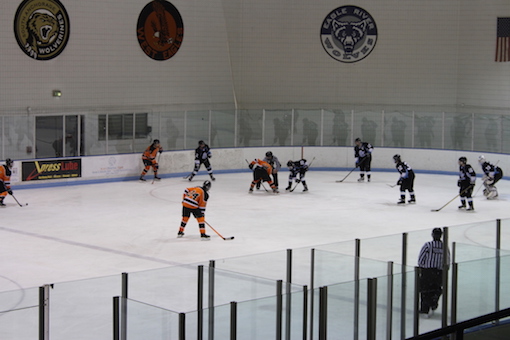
[
  {"x": 368, "y": 127},
  {"x": 77, "y": 305},
  {"x": 150, "y": 322},
  {"x": 428, "y": 130},
  {"x": 398, "y": 128}
]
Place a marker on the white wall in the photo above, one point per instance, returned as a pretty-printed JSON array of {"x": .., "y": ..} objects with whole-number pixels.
[
  {"x": 260, "y": 53},
  {"x": 118, "y": 167}
]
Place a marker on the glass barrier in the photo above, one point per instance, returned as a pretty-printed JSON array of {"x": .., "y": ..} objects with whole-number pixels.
[
  {"x": 476, "y": 288},
  {"x": 505, "y": 234},
  {"x": 504, "y": 282},
  {"x": 173, "y": 288},
  {"x": 131, "y": 132},
  {"x": 19, "y": 314},
  {"x": 160, "y": 287},
  {"x": 467, "y": 252},
  {"x": 257, "y": 265},
  {"x": 170, "y": 130},
  {"x": 256, "y": 319},
  {"x": 144, "y": 321},
  {"x": 75, "y": 306},
  {"x": 20, "y": 324}
]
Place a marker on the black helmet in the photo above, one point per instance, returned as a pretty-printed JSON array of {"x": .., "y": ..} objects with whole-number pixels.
[
  {"x": 463, "y": 159},
  {"x": 206, "y": 185},
  {"x": 8, "y": 162},
  {"x": 156, "y": 141},
  {"x": 437, "y": 232},
  {"x": 200, "y": 142},
  {"x": 357, "y": 139},
  {"x": 396, "y": 158},
  {"x": 269, "y": 154},
  {"x": 290, "y": 163}
]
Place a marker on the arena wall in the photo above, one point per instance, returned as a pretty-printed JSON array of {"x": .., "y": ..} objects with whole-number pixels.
[{"x": 179, "y": 163}]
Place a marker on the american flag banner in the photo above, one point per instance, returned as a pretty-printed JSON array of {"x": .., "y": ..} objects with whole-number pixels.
[{"x": 503, "y": 40}]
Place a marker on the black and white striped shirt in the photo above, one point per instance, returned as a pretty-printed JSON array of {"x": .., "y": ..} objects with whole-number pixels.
[{"x": 431, "y": 255}]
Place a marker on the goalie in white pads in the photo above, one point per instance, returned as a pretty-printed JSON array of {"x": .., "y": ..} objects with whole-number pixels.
[{"x": 491, "y": 175}]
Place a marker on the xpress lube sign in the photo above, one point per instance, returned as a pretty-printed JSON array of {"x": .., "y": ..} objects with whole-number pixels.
[{"x": 348, "y": 34}]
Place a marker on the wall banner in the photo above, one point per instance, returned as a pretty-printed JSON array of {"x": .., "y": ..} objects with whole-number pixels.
[
  {"x": 348, "y": 34},
  {"x": 52, "y": 169}
]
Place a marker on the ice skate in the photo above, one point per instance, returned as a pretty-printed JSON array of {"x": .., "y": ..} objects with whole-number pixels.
[
  {"x": 361, "y": 179},
  {"x": 401, "y": 201},
  {"x": 157, "y": 178},
  {"x": 142, "y": 179},
  {"x": 205, "y": 237},
  {"x": 180, "y": 234},
  {"x": 412, "y": 200},
  {"x": 463, "y": 206}
]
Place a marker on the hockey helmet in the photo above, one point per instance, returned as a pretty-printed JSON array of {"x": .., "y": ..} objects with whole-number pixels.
[
  {"x": 358, "y": 140},
  {"x": 290, "y": 164},
  {"x": 396, "y": 158},
  {"x": 463, "y": 160},
  {"x": 206, "y": 185},
  {"x": 9, "y": 162},
  {"x": 481, "y": 159},
  {"x": 156, "y": 141},
  {"x": 201, "y": 142},
  {"x": 269, "y": 154}
]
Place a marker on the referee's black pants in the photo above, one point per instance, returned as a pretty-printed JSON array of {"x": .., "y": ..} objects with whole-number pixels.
[{"x": 430, "y": 288}]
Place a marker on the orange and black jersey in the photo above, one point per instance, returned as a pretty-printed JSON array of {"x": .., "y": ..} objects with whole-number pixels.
[
  {"x": 151, "y": 152},
  {"x": 195, "y": 198},
  {"x": 5, "y": 178},
  {"x": 257, "y": 163}
]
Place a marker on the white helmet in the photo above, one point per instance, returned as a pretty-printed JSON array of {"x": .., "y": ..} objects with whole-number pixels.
[{"x": 481, "y": 159}]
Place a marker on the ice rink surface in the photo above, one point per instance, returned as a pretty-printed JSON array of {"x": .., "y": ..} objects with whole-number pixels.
[{"x": 68, "y": 233}]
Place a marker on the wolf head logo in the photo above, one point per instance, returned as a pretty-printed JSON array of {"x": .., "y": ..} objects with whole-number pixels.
[{"x": 349, "y": 33}]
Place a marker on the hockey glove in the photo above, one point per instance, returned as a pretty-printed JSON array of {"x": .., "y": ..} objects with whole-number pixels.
[
  {"x": 458, "y": 183},
  {"x": 399, "y": 182},
  {"x": 160, "y": 151},
  {"x": 298, "y": 180},
  {"x": 9, "y": 191},
  {"x": 250, "y": 166}
]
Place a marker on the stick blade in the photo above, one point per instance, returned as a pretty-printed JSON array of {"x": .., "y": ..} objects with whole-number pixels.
[
  {"x": 435, "y": 210},
  {"x": 229, "y": 238}
]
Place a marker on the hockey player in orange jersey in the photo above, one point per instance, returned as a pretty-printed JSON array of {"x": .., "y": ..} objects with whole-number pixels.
[
  {"x": 5, "y": 180},
  {"x": 149, "y": 159},
  {"x": 194, "y": 201},
  {"x": 261, "y": 172}
]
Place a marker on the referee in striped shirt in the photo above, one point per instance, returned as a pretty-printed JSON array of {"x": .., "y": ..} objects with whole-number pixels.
[{"x": 430, "y": 262}]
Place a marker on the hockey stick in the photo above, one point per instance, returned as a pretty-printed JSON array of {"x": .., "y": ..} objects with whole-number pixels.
[
  {"x": 450, "y": 201},
  {"x": 295, "y": 186},
  {"x": 343, "y": 179},
  {"x": 18, "y": 201},
  {"x": 224, "y": 238},
  {"x": 392, "y": 186}
]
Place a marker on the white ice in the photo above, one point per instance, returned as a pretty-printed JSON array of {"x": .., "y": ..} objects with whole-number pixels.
[{"x": 74, "y": 232}]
